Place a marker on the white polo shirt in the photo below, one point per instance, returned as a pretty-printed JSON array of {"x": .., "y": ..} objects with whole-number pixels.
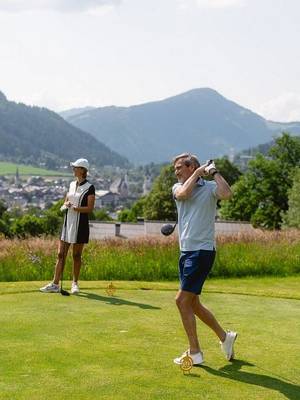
[{"x": 196, "y": 217}]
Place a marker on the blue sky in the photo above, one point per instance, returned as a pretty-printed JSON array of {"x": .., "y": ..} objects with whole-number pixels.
[{"x": 73, "y": 53}]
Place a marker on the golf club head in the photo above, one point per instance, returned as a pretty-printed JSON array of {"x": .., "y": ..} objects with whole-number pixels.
[
  {"x": 64, "y": 292},
  {"x": 167, "y": 229}
]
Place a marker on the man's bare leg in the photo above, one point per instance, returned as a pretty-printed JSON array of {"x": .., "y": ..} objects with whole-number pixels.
[
  {"x": 208, "y": 318},
  {"x": 184, "y": 302}
]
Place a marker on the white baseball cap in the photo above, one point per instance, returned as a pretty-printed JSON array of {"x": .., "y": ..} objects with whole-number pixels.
[{"x": 81, "y": 162}]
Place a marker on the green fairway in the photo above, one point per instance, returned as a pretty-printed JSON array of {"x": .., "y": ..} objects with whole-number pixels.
[
  {"x": 8, "y": 168},
  {"x": 93, "y": 346}
]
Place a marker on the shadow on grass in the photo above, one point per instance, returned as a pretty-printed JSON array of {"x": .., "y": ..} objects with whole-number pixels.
[
  {"x": 115, "y": 301},
  {"x": 233, "y": 371}
]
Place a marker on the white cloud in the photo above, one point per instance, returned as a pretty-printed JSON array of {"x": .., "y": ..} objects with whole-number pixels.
[
  {"x": 16, "y": 6},
  {"x": 183, "y": 4},
  {"x": 284, "y": 108},
  {"x": 220, "y": 3}
]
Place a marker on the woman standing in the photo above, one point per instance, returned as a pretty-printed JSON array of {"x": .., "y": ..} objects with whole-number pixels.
[{"x": 79, "y": 202}]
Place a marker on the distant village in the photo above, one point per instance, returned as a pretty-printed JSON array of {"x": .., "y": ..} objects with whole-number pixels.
[
  {"x": 42, "y": 191},
  {"x": 113, "y": 194}
]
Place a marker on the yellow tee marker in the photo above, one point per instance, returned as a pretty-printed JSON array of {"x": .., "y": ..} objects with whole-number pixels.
[
  {"x": 111, "y": 289},
  {"x": 186, "y": 363}
]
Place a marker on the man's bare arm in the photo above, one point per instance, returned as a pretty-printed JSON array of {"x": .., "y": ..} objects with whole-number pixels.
[
  {"x": 184, "y": 192},
  {"x": 223, "y": 191}
]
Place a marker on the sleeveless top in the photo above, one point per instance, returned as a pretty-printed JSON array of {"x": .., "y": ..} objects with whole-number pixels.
[{"x": 76, "y": 225}]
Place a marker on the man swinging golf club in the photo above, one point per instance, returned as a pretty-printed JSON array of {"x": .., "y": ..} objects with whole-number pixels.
[{"x": 196, "y": 201}]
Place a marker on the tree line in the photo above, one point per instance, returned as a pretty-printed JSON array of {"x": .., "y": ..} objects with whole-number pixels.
[
  {"x": 267, "y": 194},
  {"x": 35, "y": 222}
]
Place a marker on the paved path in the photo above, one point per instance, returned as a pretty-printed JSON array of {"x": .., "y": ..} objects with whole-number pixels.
[{"x": 101, "y": 230}]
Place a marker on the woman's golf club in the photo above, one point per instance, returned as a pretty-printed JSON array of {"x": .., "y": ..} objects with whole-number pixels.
[{"x": 62, "y": 291}]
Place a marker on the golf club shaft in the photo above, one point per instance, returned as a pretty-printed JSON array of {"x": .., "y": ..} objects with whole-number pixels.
[{"x": 62, "y": 291}]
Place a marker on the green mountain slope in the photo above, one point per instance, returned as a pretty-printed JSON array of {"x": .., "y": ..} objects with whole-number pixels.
[{"x": 37, "y": 135}]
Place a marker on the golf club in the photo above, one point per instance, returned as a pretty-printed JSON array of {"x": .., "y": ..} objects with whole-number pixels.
[
  {"x": 62, "y": 291},
  {"x": 208, "y": 162},
  {"x": 168, "y": 229}
]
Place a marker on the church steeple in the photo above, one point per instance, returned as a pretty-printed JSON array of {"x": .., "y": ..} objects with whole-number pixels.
[{"x": 17, "y": 177}]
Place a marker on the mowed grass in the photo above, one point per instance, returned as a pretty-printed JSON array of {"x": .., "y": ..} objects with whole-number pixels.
[
  {"x": 95, "y": 346},
  {"x": 8, "y": 168}
]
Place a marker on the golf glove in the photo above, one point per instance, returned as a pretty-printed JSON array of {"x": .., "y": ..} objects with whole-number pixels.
[{"x": 210, "y": 168}]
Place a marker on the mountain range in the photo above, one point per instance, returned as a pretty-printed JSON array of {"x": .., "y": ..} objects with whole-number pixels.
[
  {"x": 37, "y": 135},
  {"x": 200, "y": 121}
]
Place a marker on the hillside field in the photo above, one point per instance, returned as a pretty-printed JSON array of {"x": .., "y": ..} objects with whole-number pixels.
[{"x": 8, "y": 168}]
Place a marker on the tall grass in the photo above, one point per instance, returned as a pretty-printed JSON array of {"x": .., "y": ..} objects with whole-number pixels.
[
  {"x": 258, "y": 253},
  {"x": 153, "y": 258}
]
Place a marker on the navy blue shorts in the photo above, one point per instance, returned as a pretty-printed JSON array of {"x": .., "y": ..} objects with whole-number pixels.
[{"x": 194, "y": 266}]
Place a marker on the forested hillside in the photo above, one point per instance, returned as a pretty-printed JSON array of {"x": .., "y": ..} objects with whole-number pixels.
[{"x": 37, "y": 135}]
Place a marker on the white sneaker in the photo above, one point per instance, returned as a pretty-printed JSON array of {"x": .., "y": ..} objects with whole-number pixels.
[
  {"x": 227, "y": 345},
  {"x": 50, "y": 288},
  {"x": 75, "y": 288},
  {"x": 197, "y": 358}
]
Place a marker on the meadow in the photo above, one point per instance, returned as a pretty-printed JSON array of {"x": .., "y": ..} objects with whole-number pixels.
[
  {"x": 8, "y": 168},
  {"x": 261, "y": 253}
]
